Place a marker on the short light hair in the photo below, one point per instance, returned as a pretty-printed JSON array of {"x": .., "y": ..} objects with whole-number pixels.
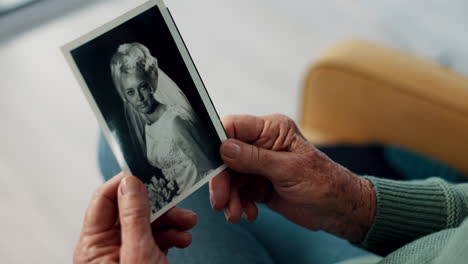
[{"x": 131, "y": 58}]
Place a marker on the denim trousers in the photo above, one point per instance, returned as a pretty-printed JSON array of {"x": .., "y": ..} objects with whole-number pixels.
[{"x": 270, "y": 239}]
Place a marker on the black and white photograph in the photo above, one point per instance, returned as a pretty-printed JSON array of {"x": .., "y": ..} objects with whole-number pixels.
[{"x": 150, "y": 102}]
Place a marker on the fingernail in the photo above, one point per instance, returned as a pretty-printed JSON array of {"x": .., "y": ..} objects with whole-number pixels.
[
  {"x": 230, "y": 150},
  {"x": 130, "y": 185},
  {"x": 212, "y": 200},
  {"x": 244, "y": 216},
  {"x": 189, "y": 213},
  {"x": 187, "y": 236},
  {"x": 227, "y": 213}
]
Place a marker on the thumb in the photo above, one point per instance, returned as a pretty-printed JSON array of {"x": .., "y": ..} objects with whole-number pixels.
[
  {"x": 246, "y": 158},
  {"x": 134, "y": 212}
]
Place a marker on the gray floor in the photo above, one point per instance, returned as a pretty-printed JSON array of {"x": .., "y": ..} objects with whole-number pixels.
[{"x": 252, "y": 56}]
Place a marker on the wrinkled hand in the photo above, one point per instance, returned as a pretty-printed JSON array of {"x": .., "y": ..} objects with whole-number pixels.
[
  {"x": 117, "y": 228},
  {"x": 271, "y": 162}
]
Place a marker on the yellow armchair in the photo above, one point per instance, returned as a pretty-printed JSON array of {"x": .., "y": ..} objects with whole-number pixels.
[{"x": 360, "y": 93}]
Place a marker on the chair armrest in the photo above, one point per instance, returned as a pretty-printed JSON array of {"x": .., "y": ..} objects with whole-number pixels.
[{"x": 359, "y": 93}]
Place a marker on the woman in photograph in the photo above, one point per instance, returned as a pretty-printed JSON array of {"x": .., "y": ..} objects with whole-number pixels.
[{"x": 163, "y": 125}]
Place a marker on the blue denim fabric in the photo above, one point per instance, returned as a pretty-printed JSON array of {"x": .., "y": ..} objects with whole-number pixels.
[
  {"x": 270, "y": 239},
  {"x": 412, "y": 166}
]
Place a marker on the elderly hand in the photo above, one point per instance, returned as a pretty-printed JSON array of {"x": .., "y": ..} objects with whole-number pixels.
[
  {"x": 271, "y": 162},
  {"x": 117, "y": 228}
]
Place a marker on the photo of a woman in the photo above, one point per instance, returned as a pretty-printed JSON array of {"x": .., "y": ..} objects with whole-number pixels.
[
  {"x": 164, "y": 126},
  {"x": 151, "y": 104}
]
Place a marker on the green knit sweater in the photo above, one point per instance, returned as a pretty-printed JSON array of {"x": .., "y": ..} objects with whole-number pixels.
[{"x": 418, "y": 222}]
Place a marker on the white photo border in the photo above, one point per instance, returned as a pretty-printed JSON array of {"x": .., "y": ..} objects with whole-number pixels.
[{"x": 195, "y": 76}]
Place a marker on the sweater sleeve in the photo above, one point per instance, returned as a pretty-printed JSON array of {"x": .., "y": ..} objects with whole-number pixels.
[{"x": 408, "y": 210}]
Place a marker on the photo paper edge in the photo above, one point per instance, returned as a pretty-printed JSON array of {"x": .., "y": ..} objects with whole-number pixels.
[{"x": 194, "y": 74}]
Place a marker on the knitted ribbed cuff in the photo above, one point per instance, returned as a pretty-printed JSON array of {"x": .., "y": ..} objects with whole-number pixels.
[{"x": 406, "y": 210}]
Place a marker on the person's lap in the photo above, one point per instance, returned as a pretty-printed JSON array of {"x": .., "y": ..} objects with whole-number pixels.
[{"x": 270, "y": 239}]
